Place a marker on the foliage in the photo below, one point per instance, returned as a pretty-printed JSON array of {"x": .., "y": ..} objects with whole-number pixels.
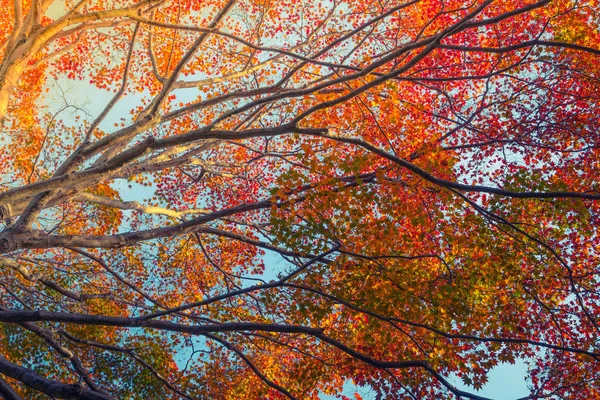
[{"x": 271, "y": 200}]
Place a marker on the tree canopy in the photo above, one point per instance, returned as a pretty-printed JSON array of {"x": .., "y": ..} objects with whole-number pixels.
[{"x": 268, "y": 200}]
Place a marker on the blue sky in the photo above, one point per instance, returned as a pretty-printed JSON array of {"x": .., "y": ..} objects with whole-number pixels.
[{"x": 506, "y": 382}]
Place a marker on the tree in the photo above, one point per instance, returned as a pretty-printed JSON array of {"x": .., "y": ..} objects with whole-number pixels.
[{"x": 388, "y": 193}]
